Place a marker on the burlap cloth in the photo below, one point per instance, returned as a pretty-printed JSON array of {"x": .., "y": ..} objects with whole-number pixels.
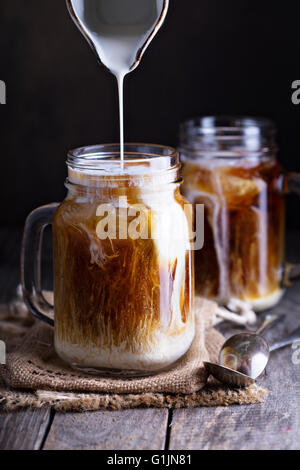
[{"x": 35, "y": 376}]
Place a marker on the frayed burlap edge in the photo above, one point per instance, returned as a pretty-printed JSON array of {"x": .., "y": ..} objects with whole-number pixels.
[{"x": 214, "y": 395}]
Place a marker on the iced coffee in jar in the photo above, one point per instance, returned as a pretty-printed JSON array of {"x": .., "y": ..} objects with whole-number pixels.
[
  {"x": 230, "y": 166},
  {"x": 123, "y": 267}
]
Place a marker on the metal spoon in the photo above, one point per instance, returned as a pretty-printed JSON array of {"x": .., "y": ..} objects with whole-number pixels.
[
  {"x": 237, "y": 378},
  {"x": 233, "y": 351},
  {"x": 248, "y": 353}
]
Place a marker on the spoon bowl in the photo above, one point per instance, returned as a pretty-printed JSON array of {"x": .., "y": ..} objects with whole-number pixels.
[{"x": 246, "y": 353}]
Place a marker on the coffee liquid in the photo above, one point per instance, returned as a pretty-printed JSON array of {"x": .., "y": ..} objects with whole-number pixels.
[
  {"x": 119, "y": 32},
  {"x": 244, "y": 226}
]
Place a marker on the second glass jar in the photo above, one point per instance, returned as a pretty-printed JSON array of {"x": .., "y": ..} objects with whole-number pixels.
[{"x": 230, "y": 166}]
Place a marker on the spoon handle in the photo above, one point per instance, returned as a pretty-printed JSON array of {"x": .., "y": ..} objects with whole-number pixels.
[
  {"x": 270, "y": 320},
  {"x": 292, "y": 338}
]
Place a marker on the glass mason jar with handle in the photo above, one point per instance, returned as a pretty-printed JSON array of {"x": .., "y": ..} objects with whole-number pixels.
[
  {"x": 123, "y": 279},
  {"x": 230, "y": 166}
]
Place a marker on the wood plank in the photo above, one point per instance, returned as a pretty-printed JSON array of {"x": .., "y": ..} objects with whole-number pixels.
[
  {"x": 23, "y": 430},
  {"x": 271, "y": 426},
  {"x": 274, "y": 424},
  {"x": 138, "y": 429}
]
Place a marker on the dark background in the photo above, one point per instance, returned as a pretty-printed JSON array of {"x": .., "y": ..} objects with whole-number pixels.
[{"x": 215, "y": 57}]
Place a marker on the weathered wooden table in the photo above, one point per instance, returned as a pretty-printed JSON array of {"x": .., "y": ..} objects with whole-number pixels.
[{"x": 272, "y": 425}]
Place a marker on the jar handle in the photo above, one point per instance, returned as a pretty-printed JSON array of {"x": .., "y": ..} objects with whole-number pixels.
[
  {"x": 31, "y": 255},
  {"x": 291, "y": 186}
]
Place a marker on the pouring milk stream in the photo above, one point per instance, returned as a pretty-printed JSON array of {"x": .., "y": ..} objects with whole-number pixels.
[{"x": 119, "y": 32}]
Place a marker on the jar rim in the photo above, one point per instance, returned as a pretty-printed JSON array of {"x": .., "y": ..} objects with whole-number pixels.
[
  {"x": 139, "y": 159},
  {"x": 228, "y": 126},
  {"x": 229, "y": 137}
]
